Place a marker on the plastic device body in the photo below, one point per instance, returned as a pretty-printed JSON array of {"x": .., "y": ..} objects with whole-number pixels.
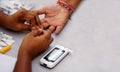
[
  {"x": 54, "y": 56},
  {"x": 6, "y": 42},
  {"x": 5, "y": 49}
]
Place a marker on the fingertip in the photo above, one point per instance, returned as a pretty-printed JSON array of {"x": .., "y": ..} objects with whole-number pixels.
[
  {"x": 38, "y": 22},
  {"x": 47, "y": 33},
  {"x": 51, "y": 29},
  {"x": 45, "y": 25},
  {"x": 40, "y": 29},
  {"x": 25, "y": 27},
  {"x": 51, "y": 40},
  {"x": 58, "y": 30},
  {"x": 43, "y": 20},
  {"x": 37, "y": 32},
  {"x": 34, "y": 27}
]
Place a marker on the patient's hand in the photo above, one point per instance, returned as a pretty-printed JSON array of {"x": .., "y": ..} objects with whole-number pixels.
[
  {"x": 55, "y": 16},
  {"x": 16, "y": 21}
]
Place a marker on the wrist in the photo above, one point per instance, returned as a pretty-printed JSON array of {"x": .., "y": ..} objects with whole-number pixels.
[
  {"x": 4, "y": 20},
  {"x": 66, "y": 5},
  {"x": 64, "y": 10},
  {"x": 23, "y": 63},
  {"x": 73, "y": 3},
  {"x": 24, "y": 55}
]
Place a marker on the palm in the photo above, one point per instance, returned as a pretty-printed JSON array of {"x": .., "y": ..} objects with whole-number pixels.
[{"x": 55, "y": 16}]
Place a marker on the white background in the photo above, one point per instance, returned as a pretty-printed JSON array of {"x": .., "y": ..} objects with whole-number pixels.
[{"x": 93, "y": 33}]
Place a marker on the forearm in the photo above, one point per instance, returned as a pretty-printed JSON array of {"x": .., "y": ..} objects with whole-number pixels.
[
  {"x": 3, "y": 18},
  {"x": 73, "y": 3},
  {"x": 23, "y": 64}
]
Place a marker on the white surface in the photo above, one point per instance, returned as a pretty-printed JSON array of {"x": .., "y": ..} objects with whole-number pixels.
[
  {"x": 7, "y": 63},
  {"x": 93, "y": 33}
]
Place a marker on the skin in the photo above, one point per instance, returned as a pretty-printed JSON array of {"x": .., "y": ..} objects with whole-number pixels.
[
  {"x": 16, "y": 21},
  {"x": 33, "y": 44},
  {"x": 38, "y": 40},
  {"x": 57, "y": 15}
]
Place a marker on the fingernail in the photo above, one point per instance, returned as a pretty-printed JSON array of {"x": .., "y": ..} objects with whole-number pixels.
[{"x": 40, "y": 29}]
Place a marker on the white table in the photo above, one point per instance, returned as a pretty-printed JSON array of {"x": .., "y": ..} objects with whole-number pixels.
[{"x": 93, "y": 33}]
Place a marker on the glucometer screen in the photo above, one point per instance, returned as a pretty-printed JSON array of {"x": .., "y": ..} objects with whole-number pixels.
[{"x": 54, "y": 54}]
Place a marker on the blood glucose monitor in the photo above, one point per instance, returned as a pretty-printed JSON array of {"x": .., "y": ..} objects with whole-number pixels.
[{"x": 54, "y": 56}]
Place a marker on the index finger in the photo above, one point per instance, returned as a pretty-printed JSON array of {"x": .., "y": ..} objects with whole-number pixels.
[
  {"x": 38, "y": 21},
  {"x": 48, "y": 32},
  {"x": 35, "y": 17}
]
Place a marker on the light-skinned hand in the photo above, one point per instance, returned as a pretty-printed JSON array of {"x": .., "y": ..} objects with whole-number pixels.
[{"x": 55, "y": 15}]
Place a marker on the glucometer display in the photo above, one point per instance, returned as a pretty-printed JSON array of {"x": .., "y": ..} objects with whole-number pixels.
[{"x": 54, "y": 54}]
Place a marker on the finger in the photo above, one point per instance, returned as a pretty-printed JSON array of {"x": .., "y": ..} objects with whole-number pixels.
[
  {"x": 29, "y": 14},
  {"x": 41, "y": 27},
  {"x": 58, "y": 29},
  {"x": 24, "y": 27},
  {"x": 22, "y": 10},
  {"x": 45, "y": 25},
  {"x": 32, "y": 16},
  {"x": 33, "y": 23},
  {"x": 37, "y": 32},
  {"x": 20, "y": 14},
  {"x": 41, "y": 11},
  {"x": 43, "y": 21},
  {"x": 35, "y": 15},
  {"x": 38, "y": 21},
  {"x": 51, "y": 40},
  {"x": 48, "y": 32},
  {"x": 35, "y": 27},
  {"x": 27, "y": 18},
  {"x": 52, "y": 28}
]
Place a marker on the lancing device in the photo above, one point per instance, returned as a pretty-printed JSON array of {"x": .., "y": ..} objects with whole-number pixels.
[
  {"x": 54, "y": 56},
  {"x": 6, "y": 48}
]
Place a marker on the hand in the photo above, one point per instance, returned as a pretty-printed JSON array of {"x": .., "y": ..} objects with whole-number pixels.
[
  {"x": 36, "y": 42},
  {"x": 56, "y": 16},
  {"x": 16, "y": 21}
]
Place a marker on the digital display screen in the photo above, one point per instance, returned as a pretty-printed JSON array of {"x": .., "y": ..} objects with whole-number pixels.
[{"x": 54, "y": 54}]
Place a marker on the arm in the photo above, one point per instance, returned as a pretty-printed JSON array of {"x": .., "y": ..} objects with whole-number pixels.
[
  {"x": 57, "y": 15},
  {"x": 33, "y": 44},
  {"x": 23, "y": 63},
  {"x": 73, "y": 3},
  {"x": 3, "y": 18}
]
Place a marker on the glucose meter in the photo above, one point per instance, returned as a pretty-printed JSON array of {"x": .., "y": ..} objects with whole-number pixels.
[{"x": 54, "y": 56}]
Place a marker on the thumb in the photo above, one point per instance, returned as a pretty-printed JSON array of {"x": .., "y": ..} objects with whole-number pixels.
[
  {"x": 37, "y": 32},
  {"x": 25, "y": 27},
  {"x": 20, "y": 14},
  {"x": 48, "y": 32}
]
